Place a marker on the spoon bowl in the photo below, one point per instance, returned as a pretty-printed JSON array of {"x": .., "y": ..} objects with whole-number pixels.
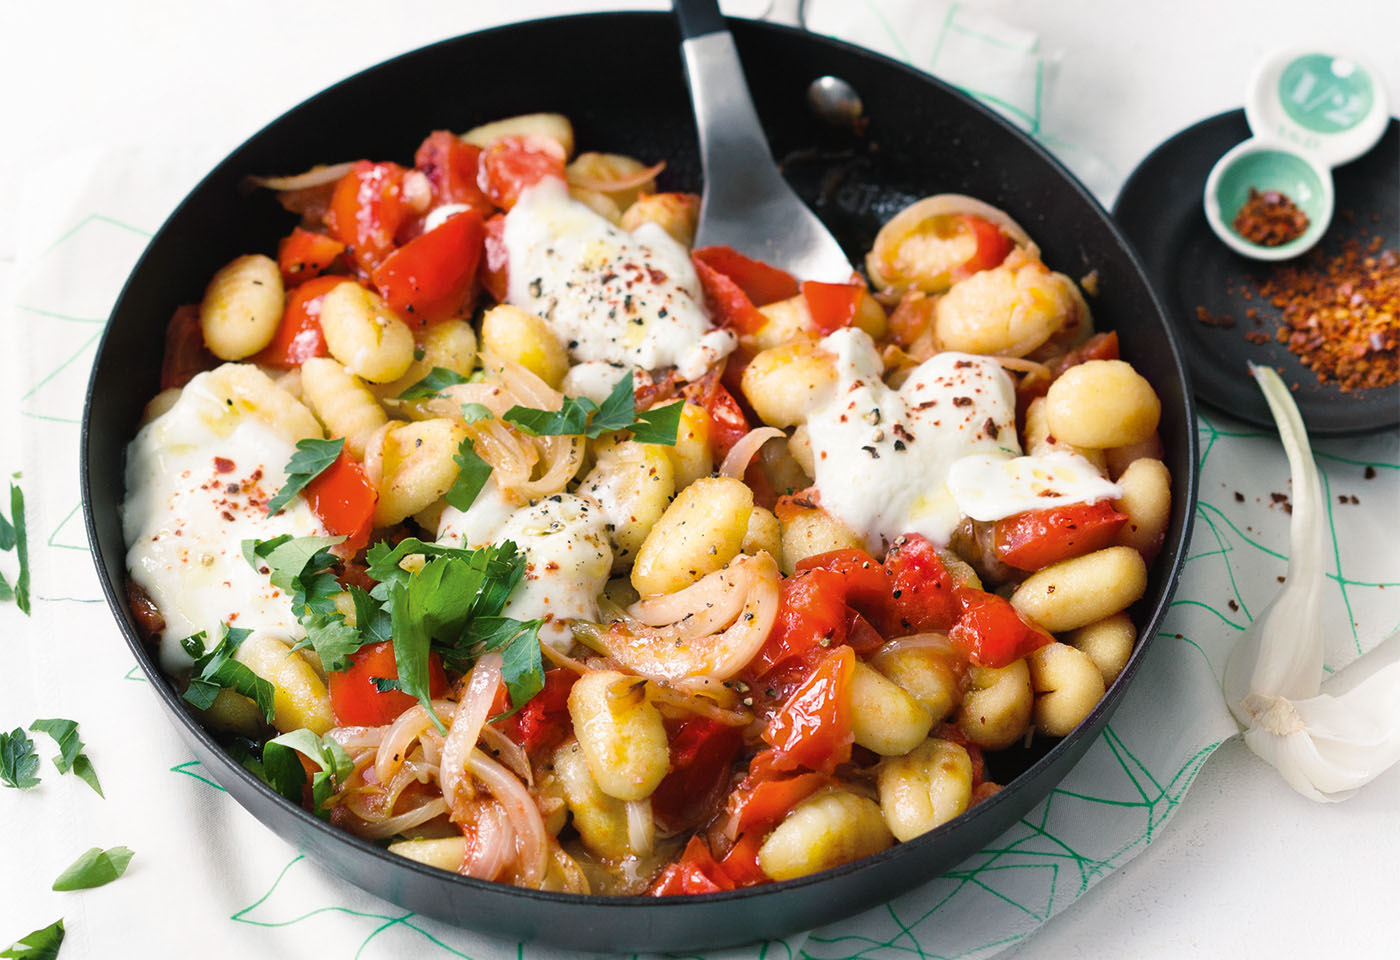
[
  {"x": 1262, "y": 166},
  {"x": 836, "y": 102}
]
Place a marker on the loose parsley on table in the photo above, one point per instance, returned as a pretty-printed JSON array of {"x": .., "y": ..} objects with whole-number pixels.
[
  {"x": 13, "y": 536},
  {"x": 311, "y": 459},
  {"x": 95, "y": 868},
  {"x": 19, "y": 764},
  {"x": 42, "y": 944},
  {"x": 70, "y": 750}
]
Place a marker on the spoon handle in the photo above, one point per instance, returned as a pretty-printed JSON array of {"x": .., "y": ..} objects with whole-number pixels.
[{"x": 698, "y": 17}]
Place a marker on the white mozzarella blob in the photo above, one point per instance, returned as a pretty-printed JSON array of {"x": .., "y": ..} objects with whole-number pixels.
[
  {"x": 610, "y": 295},
  {"x": 567, "y": 555},
  {"x": 198, "y": 479},
  {"x": 594, "y": 380},
  {"x": 991, "y": 488},
  {"x": 882, "y": 456}
]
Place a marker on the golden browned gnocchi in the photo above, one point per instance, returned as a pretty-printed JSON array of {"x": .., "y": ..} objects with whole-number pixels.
[{"x": 576, "y": 559}]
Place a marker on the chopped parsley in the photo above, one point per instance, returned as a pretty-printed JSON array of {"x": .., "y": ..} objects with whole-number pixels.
[
  {"x": 14, "y": 537},
  {"x": 580, "y": 416},
  {"x": 437, "y": 380},
  {"x": 301, "y": 566},
  {"x": 42, "y": 944},
  {"x": 215, "y": 670},
  {"x": 95, "y": 868},
  {"x": 70, "y": 750},
  {"x": 312, "y": 457},
  {"x": 472, "y": 474},
  {"x": 19, "y": 764},
  {"x": 282, "y": 770}
]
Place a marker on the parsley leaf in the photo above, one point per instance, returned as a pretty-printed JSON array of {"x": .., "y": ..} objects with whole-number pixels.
[
  {"x": 95, "y": 868},
  {"x": 70, "y": 750},
  {"x": 216, "y": 670},
  {"x": 437, "y": 380},
  {"x": 370, "y": 619},
  {"x": 42, "y": 944},
  {"x": 475, "y": 412},
  {"x": 285, "y": 774},
  {"x": 522, "y": 664},
  {"x": 13, "y": 536},
  {"x": 580, "y": 416},
  {"x": 302, "y": 566},
  {"x": 18, "y": 761},
  {"x": 472, "y": 474},
  {"x": 311, "y": 458}
]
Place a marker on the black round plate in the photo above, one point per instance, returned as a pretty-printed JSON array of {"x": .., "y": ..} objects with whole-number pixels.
[
  {"x": 619, "y": 77},
  {"x": 1160, "y": 211}
]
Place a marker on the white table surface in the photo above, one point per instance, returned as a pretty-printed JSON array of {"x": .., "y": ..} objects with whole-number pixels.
[{"x": 1246, "y": 868}]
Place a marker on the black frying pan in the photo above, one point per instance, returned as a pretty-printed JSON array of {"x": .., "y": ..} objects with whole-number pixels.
[{"x": 618, "y": 76}]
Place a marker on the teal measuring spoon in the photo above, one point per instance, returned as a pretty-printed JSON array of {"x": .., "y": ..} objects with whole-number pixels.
[{"x": 1309, "y": 111}]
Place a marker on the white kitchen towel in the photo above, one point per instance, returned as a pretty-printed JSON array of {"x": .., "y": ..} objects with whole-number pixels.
[{"x": 208, "y": 879}]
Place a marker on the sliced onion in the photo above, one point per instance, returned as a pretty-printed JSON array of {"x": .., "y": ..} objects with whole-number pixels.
[
  {"x": 737, "y": 460},
  {"x": 490, "y": 842},
  {"x": 508, "y": 752},
  {"x": 352, "y": 737},
  {"x": 531, "y": 839},
  {"x": 705, "y": 607},
  {"x": 317, "y": 176},
  {"x": 467, "y": 721},
  {"x": 569, "y": 875},
  {"x": 703, "y": 702},
  {"x": 615, "y": 184},
  {"x": 435, "y": 807},
  {"x": 1022, "y": 365},
  {"x": 641, "y": 827},
  {"x": 399, "y": 737}
]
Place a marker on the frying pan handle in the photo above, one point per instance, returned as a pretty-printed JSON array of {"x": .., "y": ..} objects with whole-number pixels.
[{"x": 697, "y": 18}]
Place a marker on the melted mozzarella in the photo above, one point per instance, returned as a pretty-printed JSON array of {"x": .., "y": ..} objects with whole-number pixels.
[
  {"x": 610, "y": 295},
  {"x": 567, "y": 556},
  {"x": 882, "y": 456},
  {"x": 198, "y": 478},
  {"x": 992, "y": 487},
  {"x": 594, "y": 379}
]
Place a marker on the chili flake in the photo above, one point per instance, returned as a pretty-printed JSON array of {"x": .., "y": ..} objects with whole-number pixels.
[{"x": 1269, "y": 219}]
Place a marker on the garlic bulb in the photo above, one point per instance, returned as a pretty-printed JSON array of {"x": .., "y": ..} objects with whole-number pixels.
[{"x": 1326, "y": 745}]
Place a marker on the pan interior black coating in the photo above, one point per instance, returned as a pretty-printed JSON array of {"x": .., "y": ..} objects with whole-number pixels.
[
  {"x": 618, "y": 76},
  {"x": 1160, "y": 211}
]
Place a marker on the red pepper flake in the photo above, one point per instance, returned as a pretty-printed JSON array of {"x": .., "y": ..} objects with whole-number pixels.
[
  {"x": 1270, "y": 219},
  {"x": 1212, "y": 320},
  {"x": 223, "y": 465}
]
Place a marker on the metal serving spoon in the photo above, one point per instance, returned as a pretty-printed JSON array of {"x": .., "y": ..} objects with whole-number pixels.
[{"x": 746, "y": 204}]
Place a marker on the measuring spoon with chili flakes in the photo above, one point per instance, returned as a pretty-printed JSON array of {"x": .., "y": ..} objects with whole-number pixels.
[{"x": 1271, "y": 197}]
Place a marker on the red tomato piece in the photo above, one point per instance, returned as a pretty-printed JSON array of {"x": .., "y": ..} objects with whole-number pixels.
[
  {"x": 727, "y": 421},
  {"x": 695, "y": 872},
  {"x": 511, "y": 164},
  {"x": 741, "y": 862},
  {"x": 990, "y": 631},
  {"x": 544, "y": 722},
  {"x": 811, "y": 619},
  {"x": 185, "y": 352},
  {"x": 342, "y": 496},
  {"x": 727, "y": 302},
  {"x": 862, "y": 637},
  {"x": 495, "y": 261},
  {"x": 298, "y": 337},
  {"x": 432, "y": 277},
  {"x": 702, "y": 753},
  {"x": 452, "y": 167},
  {"x": 760, "y": 282},
  {"x": 1101, "y": 346},
  {"x": 832, "y": 305},
  {"x": 357, "y": 702},
  {"x": 992, "y": 247},
  {"x": 922, "y": 589},
  {"x": 302, "y": 255},
  {"x": 865, "y": 583},
  {"x": 758, "y": 807},
  {"x": 813, "y": 729},
  {"x": 1038, "y": 538},
  {"x": 367, "y": 210}
]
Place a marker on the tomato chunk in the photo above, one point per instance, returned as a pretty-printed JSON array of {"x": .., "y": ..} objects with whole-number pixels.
[
  {"x": 741, "y": 862},
  {"x": 727, "y": 421},
  {"x": 832, "y": 305},
  {"x": 992, "y": 247},
  {"x": 727, "y": 302},
  {"x": 495, "y": 260},
  {"x": 544, "y": 722},
  {"x": 990, "y": 631},
  {"x": 357, "y": 702},
  {"x": 760, "y": 282},
  {"x": 923, "y": 591},
  {"x": 511, "y": 164},
  {"x": 367, "y": 210},
  {"x": 303, "y": 255},
  {"x": 702, "y": 753},
  {"x": 695, "y": 872},
  {"x": 1038, "y": 538},
  {"x": 432, "y": 277},
  {"x": 452, "y": 166},
  {"x": 342, "y": 496},
  {"x": 185, "y": 352},
  {"x": 298, "y": 337},
  {"x": 813, "y": 728},
  {"x": 758, "y": 804}
]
